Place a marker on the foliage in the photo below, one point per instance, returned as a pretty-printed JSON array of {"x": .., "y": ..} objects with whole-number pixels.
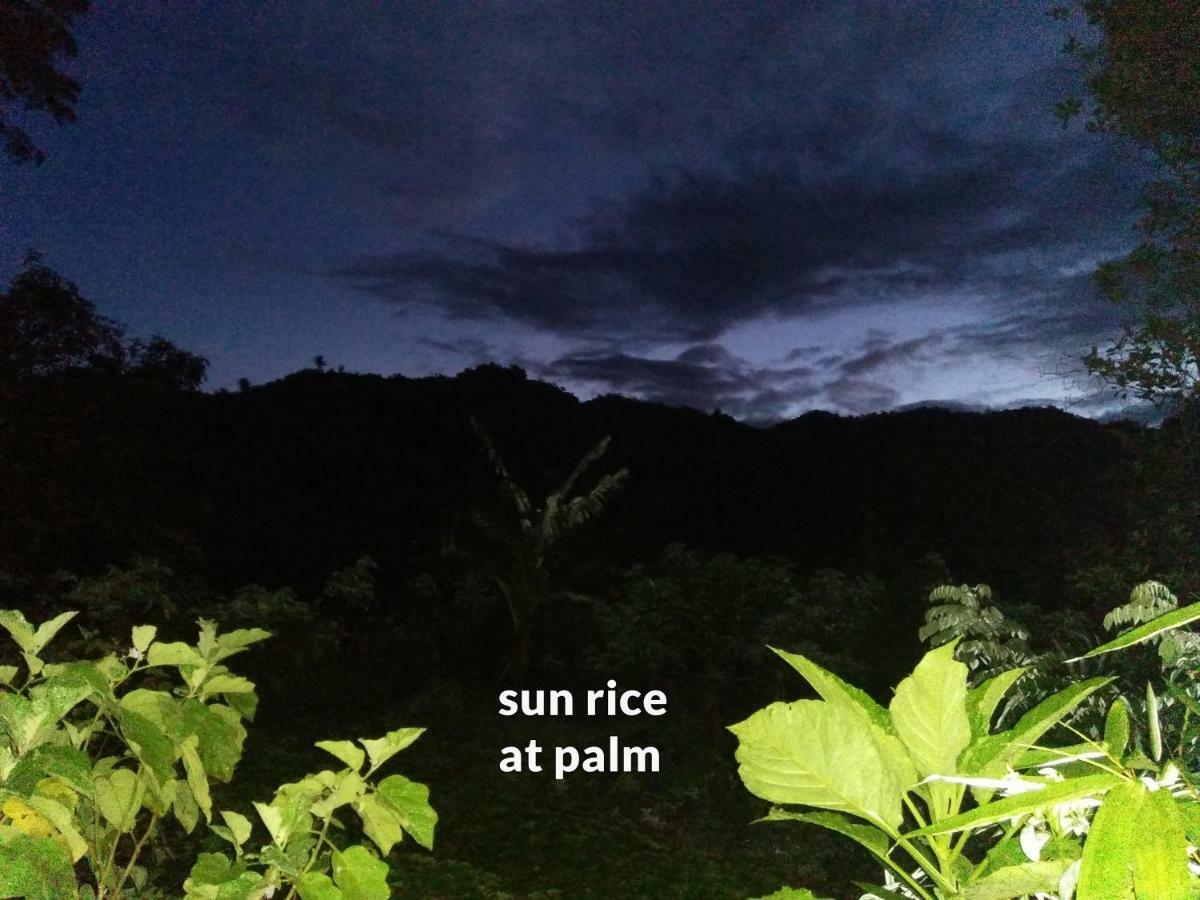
[
  {"x": 96, "y": 756},
  {"x": 300, "y": 822},
  {"x": 352, "y": 589},
  {"x": 988, "y": 641},
  {"x": 1144, "y": 83},
  {"x": 531, "y": 531},
  {"x": 693, "y": 621},
  {"x": 896, "y": 781},
  {"x": 34, "y": 36},
  {"x": 49, "y": 329}
]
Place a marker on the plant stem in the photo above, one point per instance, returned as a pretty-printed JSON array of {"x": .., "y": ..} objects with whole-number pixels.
[
  {"x": 312, "y": 859},
  {"x": 137, "y": 849}
]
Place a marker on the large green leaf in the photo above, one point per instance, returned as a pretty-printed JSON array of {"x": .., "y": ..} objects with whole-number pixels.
[
  {"x": 381, "y": 823},
  {"x": 380, "y": 750},
  {"x": 221, "y": 735},
  {"x": 1152, "y": 629},
  {"x": 317, "y": 886},
  {"x": 63, "y": 821},
  {"x": 930, "y": 712},
  {"x": 1021, "y": 804},
  {"x": 62, "y": 761},
  {"x": 346, "y": 751},
  {"x": 1136, "y": 848},
  {"x": 410, "y": 800},
  {"x": 119, "y": 796},
  {"x": 31, "y": 640},
  {"x": 983, "y": 700},
  {"x": 47, "y": 630},
  {"x": 994, "y": 755},
  {"x": 216, "y": 877},
  {"x": 360, "y": 875},
  {"x": 197, "y": 780},
  {"x": 149, "y": 744},
  {"x": 34, "y": 868},
  {"x": 833, "y": 689},
  {"x": 817, "y": 754},
  {"x": 1116, "y": 728},
  {"x": 175, "y": 653},
  {"x": 236, "y": 641}
]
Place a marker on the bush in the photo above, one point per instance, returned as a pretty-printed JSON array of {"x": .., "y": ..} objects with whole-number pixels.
[{"x": 97, "y": 755}]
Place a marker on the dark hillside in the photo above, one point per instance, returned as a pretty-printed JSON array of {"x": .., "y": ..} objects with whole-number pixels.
[{"x": 282, "y": 483}]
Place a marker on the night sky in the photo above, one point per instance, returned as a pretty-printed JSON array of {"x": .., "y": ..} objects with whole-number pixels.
[{"x": 766, "y": 208}]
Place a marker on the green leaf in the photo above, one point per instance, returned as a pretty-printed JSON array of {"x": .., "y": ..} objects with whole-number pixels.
[
  {"x": 272, "y": 817},
  {"x": 63, "y": 821},
  {"x": 143, "y": 636},
  {"x": 381, "y": 822},
  {"x": 930, "y": 712},
  {"x": 119, "y": 797},
  {"x": 1136, "y": 848},
  {"x": 29, "y": 640},
  {"x": 1116, "y": 728},
  {"x": 410, "y": 801},
  {"x": 245, "y": 705},
  {"x": 1150, "y": 630},
  {"x": 61, "y": 761},
  {"x": 838, "y": 692},
  {"x": 360, "y": 875},
  {"x": 317, "y": 886},
  {"x": 184, "y": 807},
  {"x": 227, "y": 684},
  {"x": 47, "y": 630},
  {"x": 346, "y": 751},
  {"x": 993, "y": 755},
  {"x": 788, "y": 893},
  {"x": 175, "y": 653},
  {"x": 1021, "y": 880},
  {"x": 1152, "y": 723},
  {"x": 216, "y": 877},
  {"x": 866, "y": 835},
  {"x": 7, "y": 674},
  {"x": 14, "y": 622},
  {"x": 344, "y": 787},
  {"x": 983, "y": 700},
  {"x": 196, "y": 779},
  {"x": 221, "y": 735},
  {"x": 817, "y": 754},
  {"x": 238, "y": 640},
  {"x": 380, "y": 750},
  {"x": 34, "y": 868},
  {"x": 239, "y": 826},
  {"x": 1021, "y": 804},
  {"x": 149, "y": 744}
]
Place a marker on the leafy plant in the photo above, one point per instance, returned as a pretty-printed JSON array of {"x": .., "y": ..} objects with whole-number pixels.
[
  {"x": 301, "y": 820},
  {"x": 524, "y": 579},
  {"x": 952, "y": 808},
  {"x": 988, "y": 641},
  {"x": 96, "y": 755}
]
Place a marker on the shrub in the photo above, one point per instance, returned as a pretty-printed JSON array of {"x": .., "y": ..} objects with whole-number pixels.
[
  {"x": 96, "y": 755},
  {"x": 953, "y": 808}
]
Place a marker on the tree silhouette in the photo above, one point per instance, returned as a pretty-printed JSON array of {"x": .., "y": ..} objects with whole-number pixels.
[
  {"x": 48, "y": 329},
  {"x": 35, "y": 36},
  {"x": 524, "y": 575},
  {"x": 1143, "y": 78}
]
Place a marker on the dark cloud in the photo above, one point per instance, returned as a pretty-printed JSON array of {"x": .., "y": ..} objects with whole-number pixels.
[
  {"x": 694, "y": 254},
  {"x": 880, "y": 351},
  {"x": 704, "y": 377}
]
